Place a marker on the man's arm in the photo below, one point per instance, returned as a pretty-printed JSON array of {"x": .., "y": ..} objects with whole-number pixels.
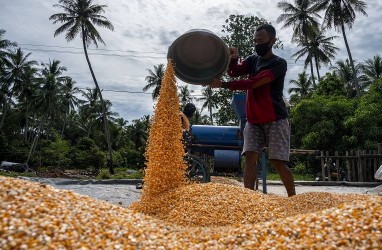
[
  {"x": 235, "y": 69},
  {"x": 262, "y": 78}
]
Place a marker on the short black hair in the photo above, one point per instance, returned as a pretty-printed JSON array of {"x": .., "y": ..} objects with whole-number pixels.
[
  {"x": 268, "y": 28},
  {"x": 189, "y": 109}
]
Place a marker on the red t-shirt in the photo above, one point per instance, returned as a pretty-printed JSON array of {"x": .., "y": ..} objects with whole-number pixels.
[{"x": 264, "y": 87}]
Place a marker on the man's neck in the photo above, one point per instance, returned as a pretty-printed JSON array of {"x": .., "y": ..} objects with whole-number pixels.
[{"x": 268, "y": 55}]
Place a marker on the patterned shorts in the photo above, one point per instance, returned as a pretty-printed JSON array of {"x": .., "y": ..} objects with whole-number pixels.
[{"x": 274, "y": 135}]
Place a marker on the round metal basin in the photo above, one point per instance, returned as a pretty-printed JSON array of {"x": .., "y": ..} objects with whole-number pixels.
[{"x": 199, "y": 56}]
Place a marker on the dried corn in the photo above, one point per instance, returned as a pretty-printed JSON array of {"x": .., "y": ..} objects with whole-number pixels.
[
  {"x": 35, "y": 216},
  {"x": 164, "y": 154}
]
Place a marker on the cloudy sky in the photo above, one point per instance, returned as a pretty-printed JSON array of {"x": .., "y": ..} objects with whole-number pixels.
[{"x": 143, "y": 32}]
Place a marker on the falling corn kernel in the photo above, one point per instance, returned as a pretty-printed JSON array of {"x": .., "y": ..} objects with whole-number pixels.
[{"x": 166, "y": 169}]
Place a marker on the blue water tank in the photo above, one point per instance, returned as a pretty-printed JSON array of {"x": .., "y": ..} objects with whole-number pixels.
[
  {"x": 238, "y": 106},
  {"x": 216, "y": 135}
]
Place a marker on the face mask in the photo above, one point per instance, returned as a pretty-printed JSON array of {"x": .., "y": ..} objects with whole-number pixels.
[{"x": 263, "y": 48}]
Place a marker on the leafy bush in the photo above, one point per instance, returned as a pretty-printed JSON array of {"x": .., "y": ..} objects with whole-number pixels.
[
  {"x": 103, "y": 174},
  {"x": 55, "y": 153},
  {"x": 86, "y": 154},
  {"x": 299, "y": 169},
  {"x": 133, "y": 158}
]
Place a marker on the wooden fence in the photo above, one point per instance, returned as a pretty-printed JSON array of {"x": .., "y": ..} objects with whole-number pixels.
[{"x": 353, "y": 166}]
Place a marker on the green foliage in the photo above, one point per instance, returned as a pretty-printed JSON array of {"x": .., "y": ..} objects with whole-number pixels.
[
  {"x": 15, "y": 174},
  {"x": 240, "y": 30},
  {"x": 118, "y": 160},
  {"x": 120, "y": 173},
  {"x": 297, "y": 177},
  {"x": 318, "y": 122},
  {"x": 366, "y": 123},
  {"x": 103, "y": 174},
  {"x": 225, "y": 115},
  {"x": 299, "y": 169},
  {"x": 133, "y": 158},
  {"x": 302, "y": 88},
  {"x": 56, "y": 153},
  {"x": 86, "y": 154},
  {"x": 331, "y": 85}
]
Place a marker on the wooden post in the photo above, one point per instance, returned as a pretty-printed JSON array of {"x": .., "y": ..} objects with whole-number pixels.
[
  {"x": 359, "y": 164},
  {"x": 365, "y": 167},
  {"x": 337, "y": 166},
  {"x": 323, "y": 166},
  {"x": 348, "y": 166},
  {"x": 376, "y": 160},
  {"x": 329, "y": 173},
  {"x": 353, "y": 166},
  {"x": 370, "y": 166},
  {"x": 379, "y": 146}
]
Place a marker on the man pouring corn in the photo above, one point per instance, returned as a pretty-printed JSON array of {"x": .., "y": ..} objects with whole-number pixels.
[{"x": 267, "y": 115}]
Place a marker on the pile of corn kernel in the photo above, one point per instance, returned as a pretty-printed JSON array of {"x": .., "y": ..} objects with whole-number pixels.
[
  {"x": 173, "y": 214},
  {"x": 37, "y": 216},
  {"x": 215, "y": 204}
]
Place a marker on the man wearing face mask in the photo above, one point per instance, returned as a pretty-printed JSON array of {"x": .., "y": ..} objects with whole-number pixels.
[{"x": 267, "y": 115}]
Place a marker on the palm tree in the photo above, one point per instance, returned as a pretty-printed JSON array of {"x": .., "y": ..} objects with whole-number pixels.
[
  {"x": 87, "y": 112},
  {"x": 70, "y": 100},
  {"x": 14, "y": 66},
  {"x": 344, "y": 71},
  {"x": 372, "y": 68},
  {"x": 339, "y": 13},
  {"x": 319, "y": 47},
  {"x": 5, "y": 45},
  {"x": 198, "y": 118},
  {"x": 154, "y": 80},
  {"x": 303, "y": 87},
  {"x": 82, "y": 16},
  {"x": 185, "y": 95},
  {"x": 50, "y": 98},
  {"x": 138, "y": 132},
  {"x": 28, "y": 90},
  {"x": 47, "y": 101},
  {"x": 302, "y": 16},
  {"x": 208, "y": 98}
]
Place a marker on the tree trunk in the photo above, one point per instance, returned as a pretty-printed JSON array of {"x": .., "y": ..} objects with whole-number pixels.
[
  {"x": 4, "y": 112},
  {"x": 105, "y": 122},
  {"x": 211, "y": 118},
  {"x": 355, "y": 79},
  {"x": 312, "y": 72},
  {"x": 305, "y": 34},
  {"x": 318, "y": 71},
  {"x": 26, "y": 123},
  {"x": 63, "y": 127},
  {"x": 5, "y": 109},
  {"x": 34, "y": 143}
]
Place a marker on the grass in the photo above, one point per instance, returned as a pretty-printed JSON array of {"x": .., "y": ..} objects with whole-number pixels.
[
  {"x": 297, "y": 177},
  {"x": 16, "y": 174},
  {"x": 119, "y": 173}
]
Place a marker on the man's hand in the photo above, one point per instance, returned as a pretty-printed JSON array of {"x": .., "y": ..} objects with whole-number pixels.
[
  {"x": 234, "y": 54},
  {"x": 216, "y": 83}
]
